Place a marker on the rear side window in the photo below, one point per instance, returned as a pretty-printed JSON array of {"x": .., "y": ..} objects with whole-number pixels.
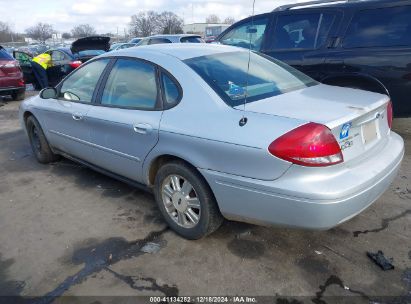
[
  {"x": 192, "y": 39},
  {"x": 301, "y": 31},
  {"x": 80, "y": 85},
  {"x": 171, "y": 92},
  {"x": 246, "y": 33},
  {"x": 5, "y": 55},
  {"x": 159, "y": 40},
  {"x": 131, "y": 84},
  {"x": 379, "y": 28}
]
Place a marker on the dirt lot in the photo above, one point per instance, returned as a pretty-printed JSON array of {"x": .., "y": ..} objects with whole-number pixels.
[{"x": 69, "y": 231}]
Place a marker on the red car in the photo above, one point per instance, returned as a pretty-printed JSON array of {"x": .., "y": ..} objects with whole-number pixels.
[{"x": 11, "y": 76}]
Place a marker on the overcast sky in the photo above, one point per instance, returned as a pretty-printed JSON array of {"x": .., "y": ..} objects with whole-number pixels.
[{"x": 107, "y": 15}]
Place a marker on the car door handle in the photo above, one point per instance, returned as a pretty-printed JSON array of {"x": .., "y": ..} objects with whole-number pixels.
[
  {"x": 142, "y": 128},
  {"x": 77, "y": 116}
]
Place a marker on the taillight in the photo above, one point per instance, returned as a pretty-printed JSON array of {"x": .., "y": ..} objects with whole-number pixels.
[
  {"x": 389, "y": 114},
  {"x": 311, "y": 145},
  {"x": 75, "y": 64},
  {"x": 20, "y": 83}
]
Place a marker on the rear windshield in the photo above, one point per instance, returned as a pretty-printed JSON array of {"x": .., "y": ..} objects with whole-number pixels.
[
  {"x": 226, "y": 73},
  {"x": 4, "y": 54},
  {"x": 191, "y": 39},
  {"x": 90, "y": 53}
]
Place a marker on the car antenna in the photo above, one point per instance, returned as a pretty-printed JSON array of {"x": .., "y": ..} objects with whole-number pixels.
[{"x": 251, "y": 31}]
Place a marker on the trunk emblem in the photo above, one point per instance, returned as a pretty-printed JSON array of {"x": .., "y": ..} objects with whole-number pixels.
[{"x": 345, "y": 130}]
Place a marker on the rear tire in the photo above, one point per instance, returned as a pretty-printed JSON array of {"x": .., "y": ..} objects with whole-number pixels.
[
  {"x": 18, "y": 96},
  {"x": 38, "y": 142},
  {"x": 197, "y": 214}
]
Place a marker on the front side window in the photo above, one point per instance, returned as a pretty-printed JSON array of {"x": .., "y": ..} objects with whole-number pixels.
[
  {"x": 131, "y": 84},
  {"x": 379, "y": 28},
  {"x": 227, "y": 74},
  {"x": 246, "y": 35},
  {"x": 80, "y": 85},
  {"x": 301, "y": 31}
]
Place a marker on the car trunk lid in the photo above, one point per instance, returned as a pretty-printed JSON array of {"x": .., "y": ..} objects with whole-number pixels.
[
  {"x": 9, "y": 68},
  {"x": 90, "y": 43},
  {"x": 357, "y": 119}
]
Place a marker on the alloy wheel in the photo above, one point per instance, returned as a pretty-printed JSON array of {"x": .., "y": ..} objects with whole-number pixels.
[{"x": 181, "y": 201}]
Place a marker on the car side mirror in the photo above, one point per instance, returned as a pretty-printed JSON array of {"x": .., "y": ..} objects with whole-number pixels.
[{"x": 48, "y": 93}]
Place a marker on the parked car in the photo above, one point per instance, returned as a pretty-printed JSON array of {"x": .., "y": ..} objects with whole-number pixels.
[
  {"x": 178, "y": 38},
  {"x": 209, "y": 39},
  {"x": 11, "y": 76},
  {"x": 65, "y": 60},
  {"x": 358, "y": 44},
  {"x": 292, "y": 152},
  {"x": 120, "y": 46},
  {"x": 135, "y": 40}
]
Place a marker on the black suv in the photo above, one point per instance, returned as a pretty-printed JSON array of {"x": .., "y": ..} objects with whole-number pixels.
[{"x": 359, "y": 44}]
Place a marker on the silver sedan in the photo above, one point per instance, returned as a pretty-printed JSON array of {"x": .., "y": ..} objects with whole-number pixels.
[{"x": 218, "y": 132}]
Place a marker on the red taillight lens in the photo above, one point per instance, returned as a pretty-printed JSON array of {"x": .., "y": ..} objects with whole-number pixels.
[
  {"x": 389, "y": 114},
  {"x": 21, "y": 83},
  {"x": 75, "y": 64},
  {"x": 310, "y": 145}
]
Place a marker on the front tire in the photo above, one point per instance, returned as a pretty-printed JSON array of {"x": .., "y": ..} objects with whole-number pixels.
[
  {"x": 186, "y": 201},
  {"x": 38, "y": 142}
]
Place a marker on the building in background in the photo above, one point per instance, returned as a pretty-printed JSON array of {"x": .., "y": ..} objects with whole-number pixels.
[{"x": 207, "y": 30}]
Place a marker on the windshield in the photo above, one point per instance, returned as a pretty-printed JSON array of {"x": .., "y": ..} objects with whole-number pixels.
[{"x": 226, "y": 73}]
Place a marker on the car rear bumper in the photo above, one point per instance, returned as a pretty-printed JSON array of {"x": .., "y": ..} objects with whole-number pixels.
[
  {"x": 11, "y": 90},
  {"x": 311, "y": 198}
]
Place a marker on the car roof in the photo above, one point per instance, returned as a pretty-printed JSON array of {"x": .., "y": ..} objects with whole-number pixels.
[
  {"x": 181, "y": 51},
  {"x": 338, "y": 3},
  {"x": 175, "y": 38},
  {"x": 174, "y": 35}
]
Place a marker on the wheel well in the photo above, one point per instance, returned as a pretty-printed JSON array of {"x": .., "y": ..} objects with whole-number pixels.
[
  {"x": 161, "y": 160},
  {"x": 26, "y": 115},
  {"x": 360, "y": 82}
]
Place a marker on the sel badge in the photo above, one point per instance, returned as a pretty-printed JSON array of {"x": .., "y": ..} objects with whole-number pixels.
[{"x": 345, "y": 130}]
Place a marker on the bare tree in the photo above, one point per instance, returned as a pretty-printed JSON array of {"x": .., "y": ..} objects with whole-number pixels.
[
  {"x": 212, "y": 19},
  {"x": 229, "y": 20},
  {"x": 144, "y": 24},
  {"x": 40, "y": 31},
  {"x": 83, "y": 30},
  {"x": 170, "y": 23},
  {"x": 5, "y": 32}
]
